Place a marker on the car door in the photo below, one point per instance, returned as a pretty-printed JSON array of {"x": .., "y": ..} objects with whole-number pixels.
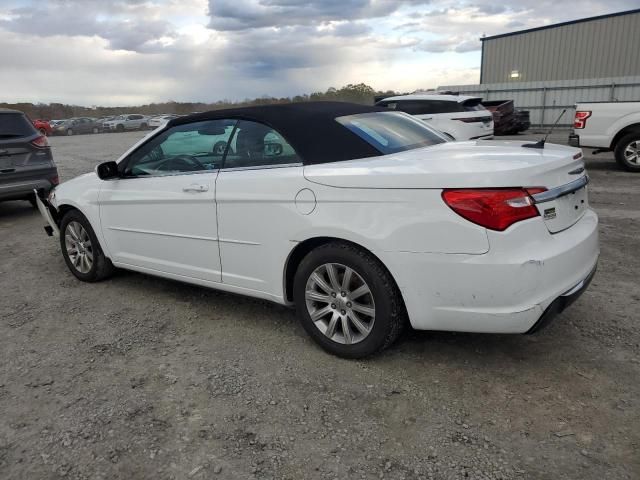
[
  {"x": 160, "y": 216},
  {"x": 256, "y": 201}
]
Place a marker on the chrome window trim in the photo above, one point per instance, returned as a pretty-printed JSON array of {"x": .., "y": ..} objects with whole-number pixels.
[
  {"x": 561, "y": 191},
  {"x": 175, "y": 174},
  {"x": 262, "y": 167}
]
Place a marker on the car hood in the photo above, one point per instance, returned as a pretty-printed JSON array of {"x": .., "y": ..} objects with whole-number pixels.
[{"x": 472, "y": 164}]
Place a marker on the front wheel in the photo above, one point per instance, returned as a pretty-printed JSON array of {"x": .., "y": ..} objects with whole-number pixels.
[
  {"x": 96, "y": 130},
  {"x": 627, "y": 152},
  {"x": 347, "y": 301},
  {"x": 80, "y": 248},
  {"x": 69, "y": 132}
]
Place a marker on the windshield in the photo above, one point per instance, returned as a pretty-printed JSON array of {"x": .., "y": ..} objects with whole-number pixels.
[{"x": 391, "y": 132}]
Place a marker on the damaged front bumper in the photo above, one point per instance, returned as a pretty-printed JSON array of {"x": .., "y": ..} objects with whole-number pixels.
[{"x": 47, "y": 212}]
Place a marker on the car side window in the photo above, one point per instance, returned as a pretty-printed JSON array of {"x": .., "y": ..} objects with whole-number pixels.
[
  {"x": 258, "y": 145},
  {"x": 192, "y": 147}
]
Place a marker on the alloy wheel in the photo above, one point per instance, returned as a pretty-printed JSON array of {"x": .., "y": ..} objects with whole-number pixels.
[
  {"x": 632, "y": 153},
  {"x": 78, "y": 245},
  {"x": 340, "y": 303}
]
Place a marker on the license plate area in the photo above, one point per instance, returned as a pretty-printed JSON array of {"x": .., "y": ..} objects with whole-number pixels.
[{"x": 561, "y": 213}]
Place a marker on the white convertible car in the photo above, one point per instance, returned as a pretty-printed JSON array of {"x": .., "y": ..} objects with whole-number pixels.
[{"x": 366, "y": 220}]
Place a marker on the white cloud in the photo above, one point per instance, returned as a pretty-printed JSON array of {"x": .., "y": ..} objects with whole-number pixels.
[{"x": 129, "y": 52}]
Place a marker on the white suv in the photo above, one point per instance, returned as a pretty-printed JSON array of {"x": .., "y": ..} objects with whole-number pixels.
[
  {"x": 458, "y": 116},
  {"x": 126, "y": 122}
]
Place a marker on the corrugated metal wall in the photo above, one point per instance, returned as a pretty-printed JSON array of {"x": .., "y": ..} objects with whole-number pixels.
[
  {"x": 606, "y": 47},
  {"x": 545, "y": 100}
]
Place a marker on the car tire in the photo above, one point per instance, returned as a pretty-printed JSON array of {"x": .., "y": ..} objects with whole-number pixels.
[
  {"x": 380, "y": 311},
  {"x": 95, "y": 130},
  {"x": 69, "y": 132},
  {"x": 143, "y": 126},
  {"x": 624, "y": 152},
  {"x": 89, "y": 262},
  {"x": 43, "y": 132},
  {"x": 120, "y": 128},
  {"x": 32, "y": 201}
]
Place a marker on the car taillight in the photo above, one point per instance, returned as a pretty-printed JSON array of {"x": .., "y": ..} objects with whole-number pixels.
[
  {"x": 55, "y": 180},
  {"x": 580, "y": 120},
  {"x": 40, "y": 142},
  {"x": 495, "y": 209}
]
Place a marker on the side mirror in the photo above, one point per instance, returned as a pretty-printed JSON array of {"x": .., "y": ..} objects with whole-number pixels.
[{"x": 107, "y": 170}]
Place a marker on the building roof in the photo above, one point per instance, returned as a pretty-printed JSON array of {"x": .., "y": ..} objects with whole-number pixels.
[
  {"x": 572, "y": 22},
  {"x": 309, "y": 127}
]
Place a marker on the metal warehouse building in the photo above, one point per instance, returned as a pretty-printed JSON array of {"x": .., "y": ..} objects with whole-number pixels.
[
  {"x": 548, "y": 69},
  {"x": 597, "y": 47}
]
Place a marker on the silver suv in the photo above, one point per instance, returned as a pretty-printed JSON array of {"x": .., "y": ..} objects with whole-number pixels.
[{"x": 131, "y": 121}]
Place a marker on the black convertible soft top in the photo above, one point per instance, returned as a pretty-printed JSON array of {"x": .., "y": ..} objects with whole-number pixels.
[{"x": 310, "y": 127}]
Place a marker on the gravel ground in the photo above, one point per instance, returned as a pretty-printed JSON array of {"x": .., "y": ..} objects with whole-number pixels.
[{"x": 139, "y": 377}]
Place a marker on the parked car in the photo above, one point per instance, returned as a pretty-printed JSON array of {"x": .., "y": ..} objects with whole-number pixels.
[
  {"x": 158, "y": 121},
  {"x": 359, "y": 216},
  {"x": 26, "y": 162},
  {"x": 74, "y": 126},
  {"x": 126, "y": 122},
  {"x": 609, "y": 126},
  {"x": 43, "y": 127},
  {"x": 459, "y": 116}
]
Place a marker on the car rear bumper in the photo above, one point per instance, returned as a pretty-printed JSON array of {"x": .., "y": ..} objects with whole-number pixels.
[
  {"x": 562, "y": 302},
  {"x": 506, "y": 290},
  {"x": 22, "y": 187}
]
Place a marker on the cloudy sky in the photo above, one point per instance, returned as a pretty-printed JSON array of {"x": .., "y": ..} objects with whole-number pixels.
[{"x": 119, "y": 52}]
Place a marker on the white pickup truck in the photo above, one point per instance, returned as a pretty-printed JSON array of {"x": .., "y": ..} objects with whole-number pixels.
[{"x": 609, "y": 126}]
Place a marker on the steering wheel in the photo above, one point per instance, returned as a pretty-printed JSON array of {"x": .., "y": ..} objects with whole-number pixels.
[{"x": 182, "y": 163}]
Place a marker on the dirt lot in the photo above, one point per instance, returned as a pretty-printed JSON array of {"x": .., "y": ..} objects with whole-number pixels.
[{"x": 139, "y": 377}]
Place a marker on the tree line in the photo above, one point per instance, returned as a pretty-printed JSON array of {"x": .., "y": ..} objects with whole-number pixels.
[{"x": 356, "y": 93}]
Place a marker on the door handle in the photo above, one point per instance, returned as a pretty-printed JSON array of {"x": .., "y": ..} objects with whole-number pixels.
[{"x": 194, "y": 187}]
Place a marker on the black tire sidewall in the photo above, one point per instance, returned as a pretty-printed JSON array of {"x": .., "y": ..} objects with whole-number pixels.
[
  {"x": 619, "y": 151},
  {"x": 98, "y": 255},
  {"x": 382, "y": 294}
]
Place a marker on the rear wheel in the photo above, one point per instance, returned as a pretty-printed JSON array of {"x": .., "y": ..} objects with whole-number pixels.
[
  {"x": 69, "y": 131},
  {"x": 627, "y": 152},
  {"x": 143, "y": 126},
  {"x": 347, "y": 301},
  {"x": 80, "y": 248},
  {"x": 96, "y": 130}
]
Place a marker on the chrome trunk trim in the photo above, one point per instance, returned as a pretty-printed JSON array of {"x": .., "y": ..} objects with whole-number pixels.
[{"x": 561, "y": 191}]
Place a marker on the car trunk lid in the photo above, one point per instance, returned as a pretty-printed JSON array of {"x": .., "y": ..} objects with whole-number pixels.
[{"x": 474, "y": 164}]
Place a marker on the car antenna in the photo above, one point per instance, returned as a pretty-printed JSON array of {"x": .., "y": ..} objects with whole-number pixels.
[{"x": 540, "y": 143}]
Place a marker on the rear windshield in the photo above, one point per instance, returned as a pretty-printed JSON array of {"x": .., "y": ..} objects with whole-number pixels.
[
  {"x": 391, "y": 132},
  {"x": 15, "y": 125}
]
